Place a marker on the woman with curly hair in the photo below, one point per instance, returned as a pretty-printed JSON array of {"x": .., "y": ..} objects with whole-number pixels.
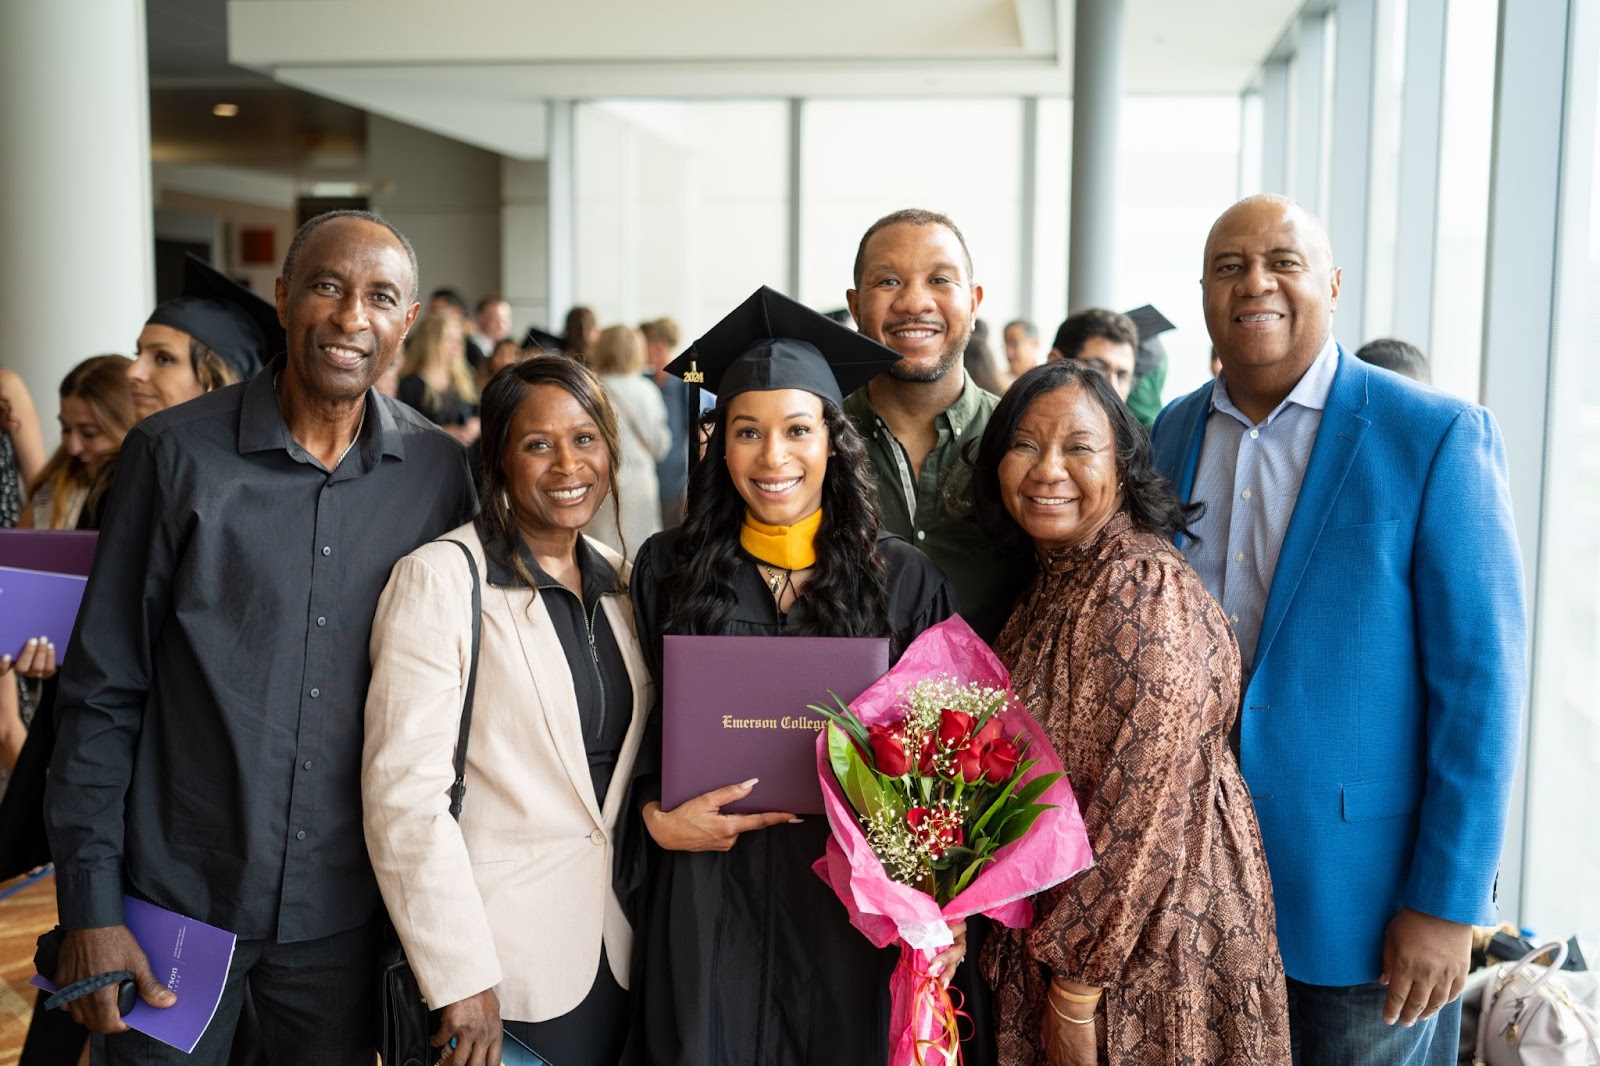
[
  {"x": 748, "y": 957},
  {"x": 1164, "y": 950}
]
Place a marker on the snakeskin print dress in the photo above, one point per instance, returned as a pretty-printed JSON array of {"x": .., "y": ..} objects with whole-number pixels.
[{"x": 1131, "y": 668}]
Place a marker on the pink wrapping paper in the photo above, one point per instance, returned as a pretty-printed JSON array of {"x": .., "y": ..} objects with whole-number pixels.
[{"x": 886, "y": 911}]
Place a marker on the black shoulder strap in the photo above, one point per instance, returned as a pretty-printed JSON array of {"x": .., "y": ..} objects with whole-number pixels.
[{"x": 458, "y": 790}]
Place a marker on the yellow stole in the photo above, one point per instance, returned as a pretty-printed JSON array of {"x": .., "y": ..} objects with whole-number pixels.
[{"x": 786, "y": 547}]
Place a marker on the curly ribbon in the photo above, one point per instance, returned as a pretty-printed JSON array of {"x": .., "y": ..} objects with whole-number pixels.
[{"x": 924, "y": 1020}]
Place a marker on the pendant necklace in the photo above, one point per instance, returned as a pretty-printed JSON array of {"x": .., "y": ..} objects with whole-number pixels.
[{"x": 776, "y": 579}]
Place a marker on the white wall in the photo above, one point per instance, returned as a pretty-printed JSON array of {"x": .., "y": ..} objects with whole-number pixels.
[{"x": 445, "y": 197}]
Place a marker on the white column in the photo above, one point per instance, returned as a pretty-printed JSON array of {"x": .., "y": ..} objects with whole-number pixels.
[
  {"x": 1349, "y": 169},
  {"x": 1096, "y": 107},
  {"x": 1275, "y": 129},
  {"x": 795, "y": 117},
  {"x": 1310, "y": 112},
  {"x": 77, "y": 261},
  {"x": 1422, "y": 119},
  {"x": 1027, "y": 206},
  {"x": 561, "y": 260}
]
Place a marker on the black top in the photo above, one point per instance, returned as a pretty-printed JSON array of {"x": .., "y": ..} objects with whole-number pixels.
[
  {"x": 599, "y": 674},
  {"x": 213, "y": 692},
  {"x": 748, "y": 957},
  {"x": 442, "y": 408}
]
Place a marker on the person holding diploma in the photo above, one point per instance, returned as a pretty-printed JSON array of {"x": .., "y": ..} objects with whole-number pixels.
[
  {"x": 511, "y": 913},
  {"x": 748, "y": 958}
]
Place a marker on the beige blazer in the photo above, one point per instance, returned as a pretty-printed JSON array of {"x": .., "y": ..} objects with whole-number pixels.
[{"x": 530, "y": 920}]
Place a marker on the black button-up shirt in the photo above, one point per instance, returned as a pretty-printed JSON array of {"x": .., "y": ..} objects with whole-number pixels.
[{"x": 212, "y": 696}]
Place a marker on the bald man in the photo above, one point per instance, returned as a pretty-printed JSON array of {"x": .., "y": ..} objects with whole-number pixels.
[{"x": 1358, "y": 533}]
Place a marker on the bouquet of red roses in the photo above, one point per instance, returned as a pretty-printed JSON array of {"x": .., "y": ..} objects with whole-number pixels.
[{"x": 946, "y": 800}]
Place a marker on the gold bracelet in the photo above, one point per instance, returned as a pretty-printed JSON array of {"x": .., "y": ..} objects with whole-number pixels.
[
  {"x": 1076, "y": 997},
  {"x": 1069, "y": 1018}
]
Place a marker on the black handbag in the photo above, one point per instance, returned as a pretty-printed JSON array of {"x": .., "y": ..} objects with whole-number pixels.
[{"x": 404, "y": 1021}]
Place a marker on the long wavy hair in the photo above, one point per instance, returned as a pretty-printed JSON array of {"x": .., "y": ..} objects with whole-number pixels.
[
  {"x": 501, "y": 398},
  {"x": 101, "y": 382},
  {"x": 848, "y": 592},
  {"x": 1148, "y": 496}
]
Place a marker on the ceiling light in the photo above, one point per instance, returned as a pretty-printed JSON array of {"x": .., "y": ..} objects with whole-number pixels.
[{"x": 225, "y": 110}]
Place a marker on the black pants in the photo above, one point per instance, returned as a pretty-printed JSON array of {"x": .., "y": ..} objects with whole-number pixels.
[
  {"x": 313, "y": 1001},
  {"x": 590, "y": 1034}
]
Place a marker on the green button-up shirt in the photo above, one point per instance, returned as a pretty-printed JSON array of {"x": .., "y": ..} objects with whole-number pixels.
[{"x": 986, "y": 582}]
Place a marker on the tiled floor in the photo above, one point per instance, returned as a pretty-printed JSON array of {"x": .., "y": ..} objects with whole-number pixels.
[{"x": 24, "y": 914}]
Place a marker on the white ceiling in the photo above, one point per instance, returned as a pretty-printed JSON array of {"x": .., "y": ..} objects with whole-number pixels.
[{"x": 481, "y": 70}]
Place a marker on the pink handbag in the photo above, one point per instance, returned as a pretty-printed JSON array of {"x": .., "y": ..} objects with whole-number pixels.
[{"x": 1537, "y": 1015}]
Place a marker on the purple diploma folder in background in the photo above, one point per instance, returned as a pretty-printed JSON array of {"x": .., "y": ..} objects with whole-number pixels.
[
  {"x": 60, "y": 551},
  {"x": 189, "y": 957},
  {"x": 37, "y": 604},
  {"x": 733, "y": 708}
]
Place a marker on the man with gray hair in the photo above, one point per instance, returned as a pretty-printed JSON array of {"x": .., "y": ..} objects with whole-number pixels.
[
  {"x": 213, "y": 695},
  {"x": 1357, "y": 532}
]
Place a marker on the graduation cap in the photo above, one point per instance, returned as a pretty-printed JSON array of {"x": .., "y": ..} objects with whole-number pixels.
[
  {"x": 771, "y": 342},
  {"x": 225, "y": 316},
  {"x": 537, "y": 339},
  {"x": 1151, "y": 324}
]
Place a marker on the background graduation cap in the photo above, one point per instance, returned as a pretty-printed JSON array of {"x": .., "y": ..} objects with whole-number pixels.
[
  {"x": 225, "y": 316},
  {"x": 537, "y": 340},
  {"x": 1151, "y": 324}
]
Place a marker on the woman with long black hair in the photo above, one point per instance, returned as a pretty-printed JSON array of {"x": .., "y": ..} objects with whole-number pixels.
[{"x": 748, "y": 958}]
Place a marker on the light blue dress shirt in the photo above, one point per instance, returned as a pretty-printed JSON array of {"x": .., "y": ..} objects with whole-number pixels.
[{"x": 1249, "y": 478}]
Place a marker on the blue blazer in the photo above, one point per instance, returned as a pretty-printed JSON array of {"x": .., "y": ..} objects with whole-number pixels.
[{"x": 1380, "y": 725}]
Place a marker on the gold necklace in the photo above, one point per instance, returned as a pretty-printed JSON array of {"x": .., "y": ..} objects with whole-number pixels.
[{"x": 776, "y": 579}]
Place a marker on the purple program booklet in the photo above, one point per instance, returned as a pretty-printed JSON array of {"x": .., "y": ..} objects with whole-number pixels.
[
  {"x": 60, "y": 551},
  {"x": 189, "y": 957},
  {"x": 34, "y": 603},
  {"x": 733, "y": 708}
]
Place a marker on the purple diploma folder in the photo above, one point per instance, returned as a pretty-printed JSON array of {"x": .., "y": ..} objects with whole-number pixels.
[
  {"x": 37, "y": 604},
  {"x": 733, "y": 708},
  {"x": 189, "y": 957},
  {"x": 60, "y": 551}
]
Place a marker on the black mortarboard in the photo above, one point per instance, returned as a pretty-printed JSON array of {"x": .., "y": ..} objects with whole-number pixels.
[
  {"x": 225, "y": 316},
  {"x": 1151, "y": 324},
  {"x": 771, "y": 342},
  {"x": 542, "y": 340}
]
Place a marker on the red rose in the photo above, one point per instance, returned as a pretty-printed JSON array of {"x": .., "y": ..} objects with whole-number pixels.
[
  {"x": 888, "y": 751},
  {"x": 988, "y": 734},
  {"x": 969, "y": 763},
  {"x": 915, "y": 817},
  {"x": 953, "y": 728},
  {"x": 1000, "y": 760},
  {"x": 925, "y": 765}
]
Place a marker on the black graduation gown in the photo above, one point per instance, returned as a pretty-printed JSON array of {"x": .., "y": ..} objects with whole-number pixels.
[{"x": 747, "y": 956}]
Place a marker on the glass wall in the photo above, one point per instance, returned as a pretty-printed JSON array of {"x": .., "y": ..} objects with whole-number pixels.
[
  {"x": 1463, "y": 210},
  {"x": 1561, "y": 870}
]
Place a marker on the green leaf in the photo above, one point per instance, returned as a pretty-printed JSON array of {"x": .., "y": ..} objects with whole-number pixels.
[
  {"x": 1000, "y": 800},
  {"x": 972, "y": 870},
  {"x": 859, "y": 781},
  {"x": 845, "y": 718},
  {"x": 1017, "y": 825},
  {"x": 1031, "y": 792}
]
